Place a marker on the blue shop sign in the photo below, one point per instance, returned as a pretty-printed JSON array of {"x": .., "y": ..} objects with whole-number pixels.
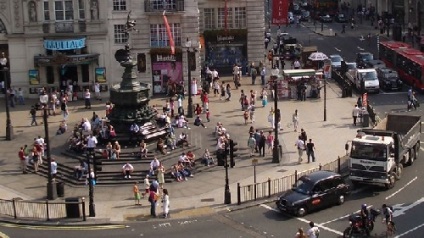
[{"x": 71, "y": 44}]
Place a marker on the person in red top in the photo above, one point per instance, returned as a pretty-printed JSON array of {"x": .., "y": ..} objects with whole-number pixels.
[
  {"x": 198, "y": 109},
  {"x": 191, "y": 157},
  {"x": 205, "y": 101},
  {"x": 22, "y": 159}
]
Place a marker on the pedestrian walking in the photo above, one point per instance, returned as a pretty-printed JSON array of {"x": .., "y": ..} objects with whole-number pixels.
[
  {"x": 303, "y": 135},
  {"x": 223, "y": 91},
  {"x": 146, "y": 186},
  {"x": 22, "y": 160},
  {"x": 228, "y": 89},
  {"x": 136, "y": 192},
  {"x": 313, "y": 231},
  {"x": 208, "y": 115},
  {"x": 216, "y": 87},
  {"x": 87, "y": 98},
  {"x": 310, "y": 151},
  {"x": 165, "y": 203},
  {"x": 263, "y": 75},
  {"x": 300, "y": 148},
  {"x": 246, "y": 116},
  {"x": 251, "y": 143},
  {"x": 295, "y": 120},
  {"x": 300, "y": 233},
  {"x": 355, "y": 114},
  {"x": 261, "y": 144},
  {"x": 270, "y": 141},
  {"x": 252, "y": 113},
  {"x": 153, "y": 198},
  {"x": 20, "y": 93},
  {"x": 271, "y": 118},
  {"x": 33, "y": 114}
]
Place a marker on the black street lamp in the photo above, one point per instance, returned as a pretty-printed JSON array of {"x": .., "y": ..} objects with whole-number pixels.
[
  {"x": 275, "y": 152},
  {"x": 51, "y": 185},
  {"x": 5, "y": 70},
  {"x": 91, "y": 205},
  {"x": 227, "y": 192},
  {"x": 188, "y": 45}
]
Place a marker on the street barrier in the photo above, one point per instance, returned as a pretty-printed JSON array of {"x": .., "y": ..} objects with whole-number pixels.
[
  {"x": 37, "y": 210},
  {"x": 253, "y": 192}
]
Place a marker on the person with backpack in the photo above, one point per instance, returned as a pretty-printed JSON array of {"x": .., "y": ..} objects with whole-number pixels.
[{"x": 313, "y": 231}]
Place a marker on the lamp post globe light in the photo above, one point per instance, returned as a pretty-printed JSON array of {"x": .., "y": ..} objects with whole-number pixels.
[
  {"x": 5, "y": 69},
  {"x": 51, "y": 186}
]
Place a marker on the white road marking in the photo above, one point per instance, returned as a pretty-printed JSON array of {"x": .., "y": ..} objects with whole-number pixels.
[
  {"x": 339, "y": 50},
  {"x": 304, "y": 220},
  {"x": 359, "y": 48},
  {"x": 342, "y": 217},
  {"x": 391, "y": 93},
  {"x": 402, "y": 188},
  {"x": 409, "y": 231},
  {"x": 400, "y": 210}
]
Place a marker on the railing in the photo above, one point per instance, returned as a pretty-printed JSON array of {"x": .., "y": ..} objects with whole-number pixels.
[
  {"x": 38, "y": 210},
  {"x": 271, "y": 187},
  {"x": 166, "y": 5}
]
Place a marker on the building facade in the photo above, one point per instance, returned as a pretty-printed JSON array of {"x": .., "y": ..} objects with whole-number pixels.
[{"x": 53, "y": 43}]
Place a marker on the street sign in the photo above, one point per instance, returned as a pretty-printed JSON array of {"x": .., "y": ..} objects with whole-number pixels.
[{"x": 254, "y": 162}]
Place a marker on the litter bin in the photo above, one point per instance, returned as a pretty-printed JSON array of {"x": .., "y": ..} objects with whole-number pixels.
[
  {"x": 365, "y": 119},
  {"x": 60, "y": 188},
  {"x": 72, "y": 207}
]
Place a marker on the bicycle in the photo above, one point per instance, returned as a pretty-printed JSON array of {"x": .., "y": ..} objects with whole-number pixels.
[{"x": 391, "y": 229}]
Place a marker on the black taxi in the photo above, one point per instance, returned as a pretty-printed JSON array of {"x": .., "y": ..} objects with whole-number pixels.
[{"x": 312, "y": 192}]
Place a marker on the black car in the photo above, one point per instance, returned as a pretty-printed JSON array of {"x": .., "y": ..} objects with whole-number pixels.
[
  {"x": 341, "y": 18},
  {"x": 389, "y": 79},
  {"x": 315, "y": 191},
  {"x": 326, "y": 19},
  {"x": 362, "y": 58}
]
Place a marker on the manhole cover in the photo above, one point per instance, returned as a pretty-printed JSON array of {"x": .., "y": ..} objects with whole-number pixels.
[
  {"x": 282, "y": 170},
  {"x": 208, "y": 200}
]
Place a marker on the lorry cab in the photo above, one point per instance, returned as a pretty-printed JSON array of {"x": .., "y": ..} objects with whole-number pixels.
[{"x": 372, "y": 159}]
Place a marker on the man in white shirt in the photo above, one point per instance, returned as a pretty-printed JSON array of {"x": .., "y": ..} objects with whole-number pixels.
[
  {"x": 134, "y": 132},
  {"x": 87, "y": 98},
  {"x": 300, "y": 148},
  {"x": 154, "y": 165},
  {"x": 355, "y": 114},
  {"x": 215, "y": 74},
  {"x": 97, "y": 91},
  {"x": 127, "y": 169},
  {"x": 20, "y": 93},
  {"x": 54, "y": 168},
  {"x": 313, "y": 231},
  {"x": 296, "y": 64},
  {"x": 91, "y": 143},
  {"x": 183, "y": 159},
  {"x": 86, "y": 126}
]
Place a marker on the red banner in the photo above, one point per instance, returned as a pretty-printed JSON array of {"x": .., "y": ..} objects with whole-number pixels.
[
  {"x": 280, "y": 9},
  {"x": 168, "y": 30}
]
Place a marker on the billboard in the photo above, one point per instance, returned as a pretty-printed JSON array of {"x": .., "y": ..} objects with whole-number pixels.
[{"x": 280, "y": 10}]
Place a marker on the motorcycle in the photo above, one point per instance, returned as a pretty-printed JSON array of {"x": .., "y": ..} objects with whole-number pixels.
[{"x": 357, "y": 229}]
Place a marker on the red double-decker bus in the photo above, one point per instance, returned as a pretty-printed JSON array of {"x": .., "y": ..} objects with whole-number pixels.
[
  {"x": 410, "y": 67},
  {"x": 387, "y": 51}
]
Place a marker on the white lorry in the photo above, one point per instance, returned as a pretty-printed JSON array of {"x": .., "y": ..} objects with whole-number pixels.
[
  {"x": 378, "y": 155},
  {"x": 365, "y": 80}
]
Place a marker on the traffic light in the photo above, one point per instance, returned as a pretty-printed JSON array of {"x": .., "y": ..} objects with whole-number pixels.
[
  {"x": 232, "y": 150},
  {"x": 220, "y": 157}
]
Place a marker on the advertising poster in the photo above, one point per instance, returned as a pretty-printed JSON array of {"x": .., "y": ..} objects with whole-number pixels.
[
  {"x": 100, "y": 75},
  {"x": 166, "y": 71},
  {"x": 280, "y": 9},
  {"x": 34, "y": 77}
]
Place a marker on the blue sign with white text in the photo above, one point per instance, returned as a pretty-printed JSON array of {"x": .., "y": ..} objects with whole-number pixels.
[{"x": 71, "y": 44}]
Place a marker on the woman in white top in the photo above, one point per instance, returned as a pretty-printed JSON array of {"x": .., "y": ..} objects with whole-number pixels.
[{"x": 165, "y": 203}]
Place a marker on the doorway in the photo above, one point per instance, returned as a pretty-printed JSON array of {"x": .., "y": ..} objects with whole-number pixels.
[{"x": 68, "y": 75}]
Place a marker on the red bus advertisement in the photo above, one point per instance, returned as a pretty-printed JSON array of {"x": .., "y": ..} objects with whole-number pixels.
[
  {"x": 410, "y": 68},
  {"x": 387, "y": 51}
]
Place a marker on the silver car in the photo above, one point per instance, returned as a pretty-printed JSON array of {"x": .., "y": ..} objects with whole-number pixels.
[{"x": 336, "y": 62}]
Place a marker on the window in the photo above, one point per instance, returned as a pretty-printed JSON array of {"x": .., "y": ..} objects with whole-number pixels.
[
  {"x": 119, "y": 5},
  {"x": 120, "y": 36},
  {"x": 159, "y": 37},
  {"x": 46, "y": 10},
  {"x": 81, "y": 9},
  {"x": 209, "y": 18},
  {"x": 63, "y": 10},
  {"x": 240, "y": 17},
  {"x": 221, "y": 18}
]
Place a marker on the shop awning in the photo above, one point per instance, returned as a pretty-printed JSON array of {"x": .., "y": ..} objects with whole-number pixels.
[
  {"x": 299, "y": 72},
  {"x": 61, "y": 59}
]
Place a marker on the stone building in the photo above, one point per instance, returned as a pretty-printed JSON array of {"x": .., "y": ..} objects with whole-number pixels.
[{"x": 52, "y": 43}]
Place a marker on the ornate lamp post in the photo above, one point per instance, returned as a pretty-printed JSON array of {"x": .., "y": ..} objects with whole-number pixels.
[
  {"x": 51, "y": 186},
  {"x": 5, "y": 70},
  {"x": 190, "y": 47},
  {"x": 275, "y": 152}
]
